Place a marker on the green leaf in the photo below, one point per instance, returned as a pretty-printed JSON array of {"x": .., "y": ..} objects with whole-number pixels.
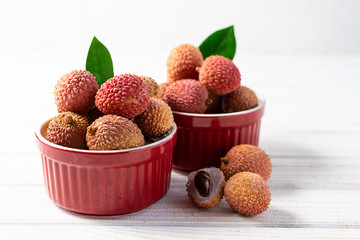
[
  {"x": 221, "y": 42},
  {"x": 99, "y": 62}
]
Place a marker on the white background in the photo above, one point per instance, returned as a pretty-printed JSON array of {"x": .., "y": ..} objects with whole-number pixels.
[
  {"x": 303, "y": 56},
  {"x": 152, "y": 27}
]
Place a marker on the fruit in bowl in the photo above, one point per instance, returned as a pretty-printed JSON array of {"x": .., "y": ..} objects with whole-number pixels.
[
  {"x": 110, "y": 148},
  {"x": 213, "y": 110}
]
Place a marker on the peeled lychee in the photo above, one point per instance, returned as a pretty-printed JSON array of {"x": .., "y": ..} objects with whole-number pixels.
[
  {"x": 246, "y": 158},
  {"x": 75, "y": 92},
  {"x": 125, "y": 95},
  {"x": 112, "y": 132},
  {"x": 241, "y": 99},
  {"x": 152, "y": 86},
  {"x": 213, "y": 103},
  {"x": 186, "y": 96},
  {"x": 183, "y": 61},
  {"x": 205, "y": 187},
  {"x": 67, "y": 129},
  {"x": 156, "y": 120},
  {"x": 247, "y": 193},
  {"x": 219, "y": 74}
]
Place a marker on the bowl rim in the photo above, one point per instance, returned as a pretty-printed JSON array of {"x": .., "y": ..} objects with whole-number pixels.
[
  {"x": 211, "y": 115},
  {"x": 40, "y": 137}
]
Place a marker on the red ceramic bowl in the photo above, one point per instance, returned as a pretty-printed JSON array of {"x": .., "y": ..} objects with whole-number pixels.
[
  {"x": 204, "y": 138},
  {"x": 106, "y": 182}
]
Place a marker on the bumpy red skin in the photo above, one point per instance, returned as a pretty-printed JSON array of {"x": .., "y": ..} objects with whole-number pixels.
[
  {"x": 163, "y": 87},
  {"x": 186, "y": 95},
  {"x": 246, "y": 158},
  {"x": 183, "y": 61},
  {"x": 112, "y": 132},
  {"x": 125, "y": 95},
  {"x": 75, "y": 92},
  {"x": 219, "y": 74},
  {"x": 247, "y": 193},
  {"x": 241, "y": 99}
]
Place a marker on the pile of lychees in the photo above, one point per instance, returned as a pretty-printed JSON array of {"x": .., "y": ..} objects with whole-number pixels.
[
  {"x": 241, "y": 179},
  {"x": 125, "y": 112},
  {"x": 196, "y": 85}
]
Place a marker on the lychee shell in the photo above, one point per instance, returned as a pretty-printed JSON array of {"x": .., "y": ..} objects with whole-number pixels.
[
  {"x": 218, "y": 196},
  {"x": 187, "y": 95},
  {"x": 112, "y": 132},
  {"x": 67, "y": 129},
  {"x": 75, "y": 92},
  {"x": 156, "y": 120},
  {"x": 153, "y": 87},
  {"x": 183, "y": 61},
  {"x": 247, "y": 193},
  {"x": 125, "y": 95},
  {"x": 241, "y": 99},
  {"x": 163, "y": 87},
  {"x": 219, "y": 74},
  {"x": 246, "y": 158}
]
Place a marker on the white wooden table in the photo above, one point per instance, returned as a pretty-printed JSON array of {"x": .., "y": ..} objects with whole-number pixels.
[{"x": 311, "y": 130}]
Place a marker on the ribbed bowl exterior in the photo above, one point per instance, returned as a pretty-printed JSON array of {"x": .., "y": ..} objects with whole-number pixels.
[
  {"x": 107, "y": 183},
  {"x": 204, "y": 138}
]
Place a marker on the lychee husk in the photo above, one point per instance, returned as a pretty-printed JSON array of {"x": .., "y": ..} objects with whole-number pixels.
[
  {"x": 246, "y": 158},
  {"x": 183, "y": 61},
  {"x": 156, "y": 120},
  {"x": 67, "y": 129},
  {"x": 247, "y": 193},
  {"x": 241, "y": 99},
  {"x": 186, "y": 95},
  {"x": 163, "y": 87},
  {"x": 124, "y": 95},
  {"x": 153, "y": 87},
  {"x": 217, "y": 188},
  {"x": 75, "y": 92},
  {"x": 219, "y": 75},
  {"x": 112, "y": 132}
]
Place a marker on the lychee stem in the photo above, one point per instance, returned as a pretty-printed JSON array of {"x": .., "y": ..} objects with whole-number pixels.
[
  {"x": 224, "y": 160},
  {"x": 208, "y": 102},
  {"x": 69, "y": 120},
  {"x": 91, "y": 130}
]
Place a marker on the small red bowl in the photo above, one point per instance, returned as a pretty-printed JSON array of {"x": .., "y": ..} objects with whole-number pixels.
[
  {"x": 106, "y": 182},
  {"x": 204, "y": 138}
]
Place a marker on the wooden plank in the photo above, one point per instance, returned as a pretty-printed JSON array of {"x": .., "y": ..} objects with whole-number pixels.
[
  {"x": 64, "y": 232},
  {"x": 289, "y": 208}
]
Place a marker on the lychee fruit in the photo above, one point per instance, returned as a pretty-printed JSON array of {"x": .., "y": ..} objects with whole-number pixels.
[
  {"x": 125, "y": 95},
  {"x": 213, "y": 103},
  {"x": 241, "y": 99},
  {"x": 205, "y": 187},
  {"x": 183, "y": 61},
  {"x": 219, "y": 74},
  {"x": 67, "y": 129},
  {"x": 163, "y": 87},
  {"x": 112, "y": 132},
  {"x": 156, "y": 120},
  {"x": 153, "y": 87},
  {"x": 246, "y": 158},
  {"x": 187, "y": 95},
  {"x": 247, "y": 193},
  {"x": 75, "y": 92}
]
